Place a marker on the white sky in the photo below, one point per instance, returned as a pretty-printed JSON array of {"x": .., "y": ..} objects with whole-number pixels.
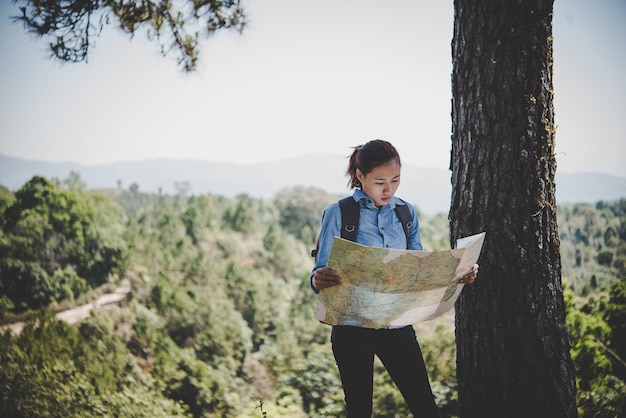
[{"x": 306, "y": 76}]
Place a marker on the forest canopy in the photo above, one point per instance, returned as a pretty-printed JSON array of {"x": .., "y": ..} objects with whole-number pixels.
[{"x": 219, "y": 322}]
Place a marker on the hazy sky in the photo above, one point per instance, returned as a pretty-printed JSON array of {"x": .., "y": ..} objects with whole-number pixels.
[{"x": 306, "y": 76}]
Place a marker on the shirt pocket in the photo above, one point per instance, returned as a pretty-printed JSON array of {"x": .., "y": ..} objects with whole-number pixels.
[{"x": 397, "y": 238}]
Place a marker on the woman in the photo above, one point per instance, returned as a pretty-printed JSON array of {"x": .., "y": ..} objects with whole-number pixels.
[{"x": 374, "y": 172}]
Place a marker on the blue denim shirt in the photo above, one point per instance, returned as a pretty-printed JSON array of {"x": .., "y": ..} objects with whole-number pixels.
[{"x": 377, "y": 227}]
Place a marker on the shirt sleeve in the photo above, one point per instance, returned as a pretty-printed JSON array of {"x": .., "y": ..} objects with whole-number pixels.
[{"x": 331, "y": 228}]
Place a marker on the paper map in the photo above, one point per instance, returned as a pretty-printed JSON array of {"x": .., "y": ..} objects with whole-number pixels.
[{"x": 384, "y": 287}]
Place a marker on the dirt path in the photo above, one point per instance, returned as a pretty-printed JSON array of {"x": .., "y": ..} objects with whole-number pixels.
[{"x": 75, "y": 315}]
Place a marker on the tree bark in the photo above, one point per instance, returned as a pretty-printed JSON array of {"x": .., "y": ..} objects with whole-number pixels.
[{"x": 512, "y": 341}]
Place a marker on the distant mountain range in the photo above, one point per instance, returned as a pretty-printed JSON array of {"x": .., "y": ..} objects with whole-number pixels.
[{"x": 428, "y": 188}]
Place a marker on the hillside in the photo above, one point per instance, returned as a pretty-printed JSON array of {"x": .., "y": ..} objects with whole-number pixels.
[{"x": 218, "y": 321}]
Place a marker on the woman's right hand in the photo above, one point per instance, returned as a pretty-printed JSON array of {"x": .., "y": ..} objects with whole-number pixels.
[{"x": 325, "y": 277}]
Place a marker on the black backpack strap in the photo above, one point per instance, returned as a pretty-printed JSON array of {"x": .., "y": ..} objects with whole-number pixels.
[
  {"x": 350, "y": 213},
  {"x": 403, "y": 213}
]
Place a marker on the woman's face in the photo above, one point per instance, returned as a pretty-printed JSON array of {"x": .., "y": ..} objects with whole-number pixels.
[{"x": 381, "y": 183}]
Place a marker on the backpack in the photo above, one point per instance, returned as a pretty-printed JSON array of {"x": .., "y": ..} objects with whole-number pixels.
[{"x": 350, "y": 213}]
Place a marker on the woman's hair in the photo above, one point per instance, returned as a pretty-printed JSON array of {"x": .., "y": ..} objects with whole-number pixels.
[{"x": 367, "y": 157}]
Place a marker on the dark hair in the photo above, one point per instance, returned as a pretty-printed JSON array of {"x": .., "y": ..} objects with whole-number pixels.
[{"x": 367, "y": 157}]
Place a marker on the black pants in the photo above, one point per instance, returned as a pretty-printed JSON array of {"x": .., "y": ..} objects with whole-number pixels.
[{"x": 354, "y": 349}]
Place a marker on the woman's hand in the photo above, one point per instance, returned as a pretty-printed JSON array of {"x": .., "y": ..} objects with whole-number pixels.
[
  {"x": 325, "y": 277},
  {"x": 470, "y": 277}
]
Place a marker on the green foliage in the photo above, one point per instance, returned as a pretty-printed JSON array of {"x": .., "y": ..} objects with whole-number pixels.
[
  {"x": 607, "y": 399},
  {"x": 50, "y": 370},
  {"x": 204, "y": 321},
  {"x": 132, "y": 202},
  {"x": 434, "y": 232},
  {"x": 221, "y": 315},
  {"x": 588, "y": 333},
  {"x": 203, "y": 389},
  {"x": 593, "y": 254},
  {"x": 6, "y": 199},
  {"x": 615, "y": 316},
  {"x": 282, "y": 249},
  {"x": 439, "y": 351},
  {"x": 251, "y": 293},
  {"x": 318, "y": 383},
  {"x": 6, "y": 305},
  {"x": 593, "y": 244},
  {"x": 109, "y": 364},
  {"x": 56, "y": 243},
  {"x": 600, "y": 392},
  {"x": 387, "y": 400},
  {"x": 605, "y": 258},
  {"x": 242, "y": 217},
  {"x": 301, "y": 211},
  {"x": 66, "y": 284}
]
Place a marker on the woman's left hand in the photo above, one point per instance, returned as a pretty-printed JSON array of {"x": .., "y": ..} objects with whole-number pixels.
[{"x": 470, "y": 277}]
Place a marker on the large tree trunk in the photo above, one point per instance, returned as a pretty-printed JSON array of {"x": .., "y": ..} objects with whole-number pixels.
[{"x": 512, "y": 342}]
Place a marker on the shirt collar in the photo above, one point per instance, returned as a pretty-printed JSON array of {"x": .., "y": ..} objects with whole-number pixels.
[{"x": 359, "y": 196}]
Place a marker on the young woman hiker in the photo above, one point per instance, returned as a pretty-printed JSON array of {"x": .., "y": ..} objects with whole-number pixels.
[{"x": 374, "y": 172}]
